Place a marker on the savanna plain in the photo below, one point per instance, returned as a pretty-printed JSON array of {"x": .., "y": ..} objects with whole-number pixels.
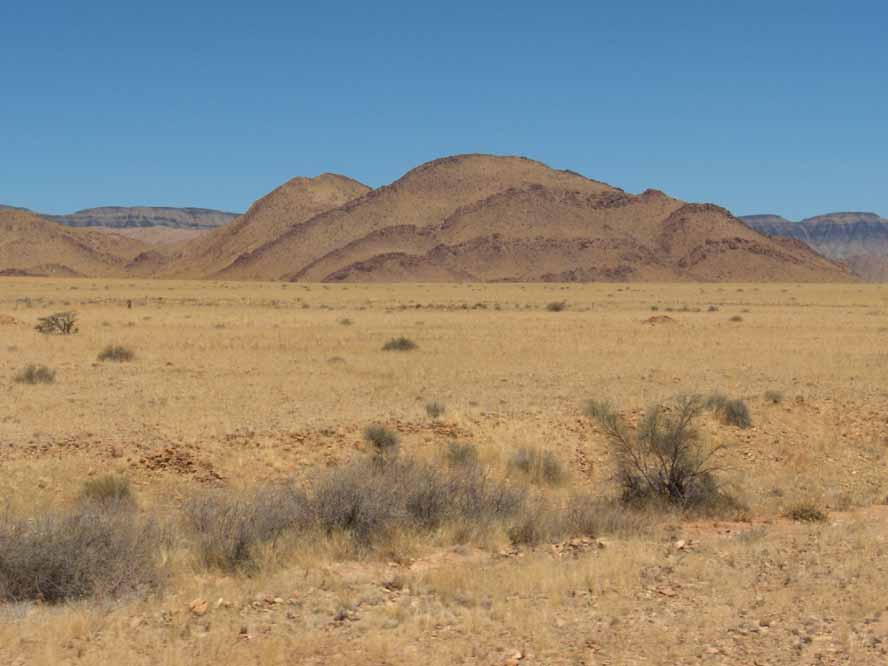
[{"x": 283, "y": 473}]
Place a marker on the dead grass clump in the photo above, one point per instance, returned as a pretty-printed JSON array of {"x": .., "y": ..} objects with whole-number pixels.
[
  {"x": 91, "y": 551},
  {"x": 384, "y": 443},
  {"x": 580, "y": 516},
  {"x": 36, "y": 374},
  {"x": 228, "y": 529},
  {"x": 774, "y": 397},
  {"x": 458, "y": 454},
  {"x": 59, "y": 323},
  {"x": 729, "y": 411},
  {"x": 806, "y": 512},
  {"x": 662, "y": 460},
  {"x": 540, "y": 466},
  {"x": 116, "y": 353},
  {"x": 399, "y": 344},
  {"x": 736, "y": 318},
  {"x": 556, "y": 306},
  {"x": 435, "y": 409},
  {"x": 109, "y": 490}
]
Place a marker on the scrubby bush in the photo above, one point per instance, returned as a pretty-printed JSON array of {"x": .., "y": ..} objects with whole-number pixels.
[
  {"x": 458, "y": 454},
  {"x": 662, "y": 459},
  {"x": 729, "y": 411},
  {"x": 399, "y": 344},
  {"x": 116, "y": 353},
  {"x": 59, "y": 323},
  {"x": 774, "y": 397},
  {"x": 229, "y": 528},
  {"x": 539, "y": 465},
  {"x": 435, "y": 409},
  {"x": 108, "y": 489},
  {"x": 806, "y": 512},
  {"x": 36, "y": 374},
  {"x": 91, "y": 551},
  {"x": 736, "y": 318},
  {"x": 556, "y": 306},
  {"x": 384, "y": 443}
]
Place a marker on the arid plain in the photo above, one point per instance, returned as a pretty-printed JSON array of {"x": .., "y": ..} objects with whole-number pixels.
[{"x": 239, "y": 385}]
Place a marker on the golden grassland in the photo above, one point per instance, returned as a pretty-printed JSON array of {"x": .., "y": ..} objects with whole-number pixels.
[{"x": 237, "y": 384}]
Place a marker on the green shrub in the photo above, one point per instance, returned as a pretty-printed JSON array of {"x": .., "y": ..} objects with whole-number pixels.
[
  {"x": 36, "y": 374},
  {"x": 116, "y": 353},
  {"x": 399, "y": 344}
]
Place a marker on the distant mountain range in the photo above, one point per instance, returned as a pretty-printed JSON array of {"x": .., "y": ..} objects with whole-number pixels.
[{"x": 858, "y": 239}]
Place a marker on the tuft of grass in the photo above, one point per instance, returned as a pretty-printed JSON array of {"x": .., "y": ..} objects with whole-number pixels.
[
  {"x": 435, "y": 409},
  {"x": 399, "y": 344},
  {"x": 385, "y": 443},
  {"x": 556, "y": 306},
  {"x": 736, "y": 318},
  {"x": 806, "y": 512},
  {"x": 735, "y": 413},
  {"x": 774, "y": 397},
  {"x": 92, "y": 551},
  {"x": 345, "y": 321},
  {"x": 36, "y": 374},
  {"x": 458, "y": 454},
  {"x": 116, "y": 353},
  {"x": 712, "y": 308},
  {"x": 108, "y": 489},
  {"x": 540, "y": 466}
]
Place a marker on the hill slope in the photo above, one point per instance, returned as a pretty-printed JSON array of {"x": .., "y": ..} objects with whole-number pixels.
[
  {"x": 123, "y": 217},
  {"x": 31, "y": 245},
  {"x": 486, "y": 218}
]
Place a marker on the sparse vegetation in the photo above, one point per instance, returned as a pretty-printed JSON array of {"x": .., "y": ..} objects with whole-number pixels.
[
  {"x": 399, "y": 344},
  {"x": 117, "y": 354},
  {"x": 458, "y": 454},
  {"x": 736, "y": 318},
  {"x": 384, "y": 443},
  {"x": 662, "y": 459},
  {"x": 538, "y": 465},
  {"x": 36, "y": 374},
  {"x": 435, "y": 409},
  {"x": 774, "y": 397},
  {"x": 59, "y": 323},
  {"x": 806, "y": 512},
  {"x": 556, "y": 306},
  {"x": 108, "y": 489}
]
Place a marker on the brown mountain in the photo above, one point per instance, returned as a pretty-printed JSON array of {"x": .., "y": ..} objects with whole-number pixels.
[
  {"x": 31, "y": 245},
  {"x": 293, "y": 203},
  {"x": 487, "y": 218}
]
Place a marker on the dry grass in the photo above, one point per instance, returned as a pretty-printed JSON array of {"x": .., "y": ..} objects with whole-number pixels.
[{"x": 257, "y": 402}]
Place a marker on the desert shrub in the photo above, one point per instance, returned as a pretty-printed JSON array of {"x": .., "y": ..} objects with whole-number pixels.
[
  {"x": 435, "y": 409},
  {"x": 774, "y": 397},
  {"x": 537, "y": 523},
  {"x": 458, "y": 454},
  {"x": 368, "y": 501},
  {"x": 662, "y": 459},
  {"x": 384, "y": 443},
  {"x": 736, "y": 318},
  {"x": 116, "y": 353},
  {"x": 108, "y": 489},
  {"x": 655, "y": 308},
  {"x": 88, "y": 552},
  {"x": 556, "y": 306},
  {"x": 539, "y": 465},
  {"x": 806, "y": 512},
  {"x": 345, "y": 321},
  {"x": 59, "y": 323},
  {"x": 735, "y": 413},
  {"x": 36, "y": 374},
  {"x": 399, "y": 344},
  {"x": 229, "y": 528}
]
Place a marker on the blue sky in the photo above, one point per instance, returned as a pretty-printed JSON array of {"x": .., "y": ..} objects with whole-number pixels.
[{"x": 777, "y": 106}]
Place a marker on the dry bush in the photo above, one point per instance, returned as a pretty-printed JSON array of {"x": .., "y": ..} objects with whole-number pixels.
[
  {"x": 556, "y": 306},
  {"x": 729, "y": 411},
  {"x": 92, "y": 551},
  {"x": 542, "y": 521},
  {"x": 36, "y": 374},
  {"x": 384, "y": 443},
  {"x": 806, "y": 512},
  {"x": 662, "y": 459},
  {"x": 108, "y": 489},
  {"x": 229, "y": 528},
  {"x": 59, "y": 323},
  {"x": 435, "y": 409},
  {"x": 774, "y": 397},
  {"x": 399, "y": 344},
  {"x": 736, "y": 318},
  {"x": 540, "y": 466},
  {"x": 116, "y": 353},
  {"x": 458, "y": 454}
]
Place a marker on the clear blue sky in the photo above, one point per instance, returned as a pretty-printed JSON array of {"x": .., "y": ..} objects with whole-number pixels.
[{"x": 778, "y": 106}]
